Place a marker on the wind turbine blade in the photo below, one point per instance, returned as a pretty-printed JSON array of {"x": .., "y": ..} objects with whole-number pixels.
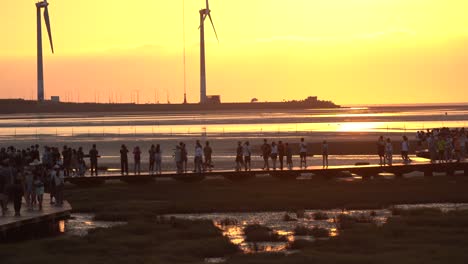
[
  {"x": 209, "y": 15},
  {"x": 47, "y": 22}
]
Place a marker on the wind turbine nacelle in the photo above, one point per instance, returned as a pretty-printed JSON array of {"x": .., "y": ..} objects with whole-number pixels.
[
  {"x": 205, "y": 11},
  {"x": 42, "y": 4}
]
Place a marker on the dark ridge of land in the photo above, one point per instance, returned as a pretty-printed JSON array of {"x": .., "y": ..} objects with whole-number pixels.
[{"x": 16, "y": 106}]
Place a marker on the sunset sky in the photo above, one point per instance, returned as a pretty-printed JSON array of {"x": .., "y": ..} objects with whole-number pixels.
[{"x": 348, "y": 51}]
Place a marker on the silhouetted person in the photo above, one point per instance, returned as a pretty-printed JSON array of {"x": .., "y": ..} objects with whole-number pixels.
[
  {"x": 158, "y": 159},
  {"x": 137, "y": 160},
  {"x": 281, "y": 152},
  {"x": 16, "y": 190},
  {"x": 389, "y": 152},
  {"x": 405, "y": 150},
  {"x": 124, "y": 160},
  {"x": 247, "y": 155},
  {"x": 325, "y": 154},
  {"x": 303, "y": 153},
  {"x": 198, "y": 157},
  {"x": 151, "y": 153},
  {"x": 274, "y": 154},
  {"x": 184, "y": 155},
  {"x": 207, "y": 151},
  {"x": 93, "y": 156},
  {"x": 289, "y": 160},
  {"x": 3, "y": 196},
  {"x": 266, "y": 151},
  {"x": 381, "y": 150},
  {"x": 239, "y": 157}
]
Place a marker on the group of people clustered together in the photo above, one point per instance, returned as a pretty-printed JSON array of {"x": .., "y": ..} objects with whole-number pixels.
[
  {"x": 444, "y": 145},
  {"x": 28, "y": 174}
]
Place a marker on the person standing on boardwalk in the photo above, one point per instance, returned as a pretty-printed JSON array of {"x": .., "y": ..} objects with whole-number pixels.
[
  {"x": 288, "y": 152},
  {"x": 16, "y": 190},
  {"x": 207, "y": 152},
  {"x": 59, "y": 186},
  {"x": 93, "y": 156},
  {"x": 432, "y": 146},
  {"x": 381, "y": 150},
  {"x": 151, "y": 153},
  {"x": 158, "y": 159},
  {"x": 39, "y": 189},
  {"x": 441, "y": 148},
  {"x": 184, "y": 153},
  {"x": 124, "y": 160},
  {"x": 274, "y": 154},
  {"x": 198, "y": 157},
  {"x": 389, "y": 152},
  {"x": 325, "y": 154},
  {"x": 266, "y": 151},
  {"x": 281, "y": 152},
  {"x": 66, "y": 155},
  {"x": 178, "y": 158},
  {"x": 3, "y": 196},
  {"x": 462, "y": 142},
  {"x": 303, "y": 153},
  {"x": 247, "y": 155},
  {"x": 239, "y": 157},
  {"x": 136, "y": 160},
  {"x": 405, "y": 150}
]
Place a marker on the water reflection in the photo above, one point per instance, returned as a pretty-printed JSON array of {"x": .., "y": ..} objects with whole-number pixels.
[
  {"x": 233, "y": 224},
  {"x": 225, "y": 122},
  {"x": 81, "y": 224}
]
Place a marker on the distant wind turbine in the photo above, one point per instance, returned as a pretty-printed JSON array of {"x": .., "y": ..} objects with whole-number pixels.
[
  {"x": 40, "y": 72},
  {"x": 204, "y": 13}
]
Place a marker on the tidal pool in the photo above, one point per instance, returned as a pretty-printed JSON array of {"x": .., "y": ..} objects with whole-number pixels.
[
  {"x": 232, "y": 224},
  {"x": 81, "y": 224}
]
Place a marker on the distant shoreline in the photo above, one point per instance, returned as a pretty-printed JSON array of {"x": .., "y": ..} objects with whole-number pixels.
[{"x": 16, "y": 106}]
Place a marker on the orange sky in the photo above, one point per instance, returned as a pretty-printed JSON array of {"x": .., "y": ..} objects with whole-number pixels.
[{"x": 348, "y": 51}]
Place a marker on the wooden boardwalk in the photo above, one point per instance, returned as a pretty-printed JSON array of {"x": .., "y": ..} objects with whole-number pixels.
[
  {"x": 366, "y": 171},
  {"x": 49, "y": 213}
]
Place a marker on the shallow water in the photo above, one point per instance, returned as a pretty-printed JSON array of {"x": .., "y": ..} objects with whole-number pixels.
[
  {"x": 275, "y": 221},
  {"x": 375, "y": 119},
  {"x": 81, "y": 224}
]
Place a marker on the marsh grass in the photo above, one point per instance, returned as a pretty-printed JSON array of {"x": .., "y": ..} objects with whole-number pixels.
[
  {"x": 422, "y": 237},
  {"x": 316, "y": 232},
  {"x": 260, "y": 233},
  {"x": 166, "y": 241},
  {"x": 320, "y": 216},
  {"x": 121, "y": 202},
  {"x": 431, "y": 237}
]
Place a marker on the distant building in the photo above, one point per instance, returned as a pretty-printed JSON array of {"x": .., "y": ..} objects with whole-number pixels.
[
  {"x": 311, "y": 99},
  {"x": 55, "y": 99},
  {"x": 213, "y": 99}
]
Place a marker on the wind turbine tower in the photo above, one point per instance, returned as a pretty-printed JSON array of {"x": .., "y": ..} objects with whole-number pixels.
[
  {"x": 204, "y": 13},
  {"x": 40, "y": 73}
]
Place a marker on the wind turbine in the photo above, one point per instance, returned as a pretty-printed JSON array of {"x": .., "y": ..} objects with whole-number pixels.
[
  {"x": 204, "y": 13},
  {"x": 40, "y": 72}
]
